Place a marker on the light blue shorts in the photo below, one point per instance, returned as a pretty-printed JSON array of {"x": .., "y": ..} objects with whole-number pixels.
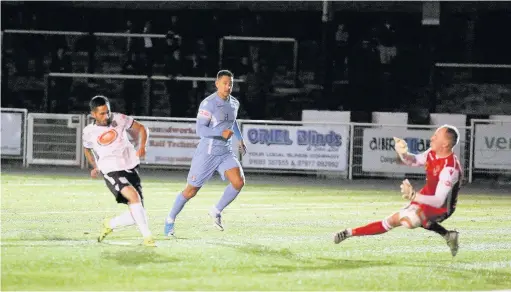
[{"x": 204, "y": 165}]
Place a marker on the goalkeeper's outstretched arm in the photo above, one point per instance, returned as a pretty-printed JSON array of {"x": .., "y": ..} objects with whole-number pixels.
[
  {"x": 414, "y": 159},
  {"x": 408, "y": 158}
]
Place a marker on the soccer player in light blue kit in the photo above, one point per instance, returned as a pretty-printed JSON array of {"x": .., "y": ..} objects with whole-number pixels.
[{"x": 216, "y": 123}]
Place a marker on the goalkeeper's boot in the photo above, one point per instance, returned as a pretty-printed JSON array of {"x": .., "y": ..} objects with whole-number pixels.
[
  {"x": 169, "y": 227},
  {"x": 106, "y": 230},
  {"x": 217, "y": 218},
  {"x": 149, "y": 242},
  {"x": 451, "y": 239},
  {"x": 340, "y": 236}
]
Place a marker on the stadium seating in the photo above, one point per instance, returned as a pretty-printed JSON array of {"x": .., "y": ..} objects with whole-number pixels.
[{"x": 393, "y": 82}]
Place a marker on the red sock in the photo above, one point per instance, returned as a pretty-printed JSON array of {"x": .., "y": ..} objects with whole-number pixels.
[{"x": 370, "y": 229}]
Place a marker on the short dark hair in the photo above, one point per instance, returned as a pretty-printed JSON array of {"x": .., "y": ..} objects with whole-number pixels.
[
  {"x": 224, "y": 73},
  {"x": 98, "y": 100},
  {"x": 453, "y": 135}
]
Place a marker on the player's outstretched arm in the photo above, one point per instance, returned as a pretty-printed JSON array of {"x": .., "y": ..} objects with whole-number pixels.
[
  {"x": 407, "y": 158},
  {"x": 143, "y": 134}
]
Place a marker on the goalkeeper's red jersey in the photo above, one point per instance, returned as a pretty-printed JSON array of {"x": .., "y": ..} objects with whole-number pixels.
[{"x": 443, "y": 177}]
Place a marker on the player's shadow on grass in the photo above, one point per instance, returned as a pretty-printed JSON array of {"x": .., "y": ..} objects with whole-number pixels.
[
  {"x": 298, "y": 263},
  {"x": 323, "y": 264},
  {"x": 59, "y": 238},
  {"x": 492, "y": 277},
  {"x": 261, "y": 250},
  {"x": 137, "y": 256},
  {"x": 49, "y": 240}
]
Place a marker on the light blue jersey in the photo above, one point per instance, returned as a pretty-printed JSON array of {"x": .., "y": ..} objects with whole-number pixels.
[
  {"x": 214, "y": 153},
  {"x": 216, "y": 115}
]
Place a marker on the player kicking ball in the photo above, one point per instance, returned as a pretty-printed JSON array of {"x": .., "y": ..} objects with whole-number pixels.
[
  {"x": 109, "y": 151},
  {"x": 216, "y": 123},
  {"x": 435, "y": 202}
]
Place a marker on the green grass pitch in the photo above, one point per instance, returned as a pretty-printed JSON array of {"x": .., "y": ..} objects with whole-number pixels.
[{"x": 276, "y": 238}]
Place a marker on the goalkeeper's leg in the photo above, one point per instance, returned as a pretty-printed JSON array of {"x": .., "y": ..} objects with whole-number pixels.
[
  {"x": 437, "y": 228},
  {"x": 374, "y": 228},
  {"x": 377, "y": 227},
  {"x": 434, "y": 225},
  {"x": 450, "y": 236},
  {"x": 408, "y": 217}
]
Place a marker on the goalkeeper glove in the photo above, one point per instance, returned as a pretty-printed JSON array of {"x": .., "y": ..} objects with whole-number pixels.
[
  {"x": 400, "y": 146},
  {"x": 407, "y": 191}
]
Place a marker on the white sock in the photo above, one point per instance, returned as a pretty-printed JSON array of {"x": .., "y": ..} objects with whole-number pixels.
[
  {"x": 349, "y": 231},
  {"x": 140, "y": 216},
  {"x": 215, "y": 210},
  {"x": 123, "y": 220}
]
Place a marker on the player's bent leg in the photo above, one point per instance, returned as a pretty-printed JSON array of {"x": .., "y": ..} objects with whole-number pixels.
[
  {"x": 114, "y": 181},
  {"x": 106, "y": 229},
  {"x": 190, "y": 191},
  {"x": 437, "y": 228},
  {"x": 138, "y": 212},
  {"x": 202, "y": 169},
  {"x": 182, "y": 198},
  {"x": 119, "y": 222},
  {"x": 237, "y": 182},
  {"x": 236, "y": 177},
  {"x": 451, "y": 236},
  {"x": 130, "y": 194},
  {"x": 411, "y": 217}
]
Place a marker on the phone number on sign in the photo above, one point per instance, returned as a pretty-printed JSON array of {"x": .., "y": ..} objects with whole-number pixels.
[{"x": 297, "y": 163}]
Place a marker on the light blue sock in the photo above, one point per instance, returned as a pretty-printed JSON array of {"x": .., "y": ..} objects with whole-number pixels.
[
  {"x": 229, "y": 195},
  {"x": 178, "y": 206}
]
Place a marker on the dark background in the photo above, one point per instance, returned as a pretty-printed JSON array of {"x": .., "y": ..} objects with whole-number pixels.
[{"x": 382, "y": 60}]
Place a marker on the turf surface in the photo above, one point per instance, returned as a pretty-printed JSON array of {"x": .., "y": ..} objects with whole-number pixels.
[{"x": 276, "y": 238}]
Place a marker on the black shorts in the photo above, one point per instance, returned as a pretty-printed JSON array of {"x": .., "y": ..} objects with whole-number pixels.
[
  {"x": 116, "y": 180},
  {"x": 444, "y": 217},
  {"x": 440, "y": 218}
]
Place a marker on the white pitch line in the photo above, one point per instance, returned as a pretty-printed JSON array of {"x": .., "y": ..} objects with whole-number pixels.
[
  {"x": 123, "y": 243},
  {"x": 258, "y": 207},
  {"x": 161, "y": 210},
  {"x": 55, "y": 183},
  {"x": 244, "y": 207},
  {"x": 87, "y": 182},
  {"x": 276, "y": 239},
  {"x": 48, "y": 242}
]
